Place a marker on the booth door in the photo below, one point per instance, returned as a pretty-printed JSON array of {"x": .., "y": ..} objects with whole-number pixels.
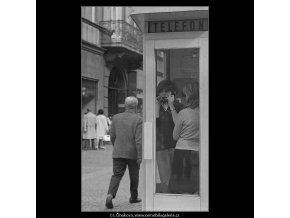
[{"x": 176, "y": 170}]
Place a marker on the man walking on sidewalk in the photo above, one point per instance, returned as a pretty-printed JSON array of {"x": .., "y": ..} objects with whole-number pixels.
[{"x": 126, "y": 137}]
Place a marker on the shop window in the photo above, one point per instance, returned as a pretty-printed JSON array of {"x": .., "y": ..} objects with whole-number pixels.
[{"x": 89, "y": 94}]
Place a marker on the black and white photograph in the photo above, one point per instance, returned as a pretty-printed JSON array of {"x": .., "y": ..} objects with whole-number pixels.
[
  {"x": 144, "y": 108},
  {"x": 145, "y": 111}
]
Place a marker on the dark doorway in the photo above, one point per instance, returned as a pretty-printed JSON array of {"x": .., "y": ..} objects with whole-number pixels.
[{"x": 117, "y": 92}]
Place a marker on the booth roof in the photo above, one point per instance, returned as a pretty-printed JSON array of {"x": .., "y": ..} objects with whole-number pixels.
[
  {"x": 142, "y": 14},
  {"x": 144, "y": 10}
]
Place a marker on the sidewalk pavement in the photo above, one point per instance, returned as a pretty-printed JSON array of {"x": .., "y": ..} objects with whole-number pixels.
[{"x": 97, "y": 168}]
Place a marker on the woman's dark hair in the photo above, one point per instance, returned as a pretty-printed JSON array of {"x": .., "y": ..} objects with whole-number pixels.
[
  {"x": 167, "y": 86},
  {"x": 101, "y": 111}
]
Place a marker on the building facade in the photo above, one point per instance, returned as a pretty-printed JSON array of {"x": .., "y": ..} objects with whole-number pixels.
[{"x": 111, "y": 59}]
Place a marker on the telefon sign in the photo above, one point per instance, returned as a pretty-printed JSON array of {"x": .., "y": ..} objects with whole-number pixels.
[{"x": 178, "y": 26}]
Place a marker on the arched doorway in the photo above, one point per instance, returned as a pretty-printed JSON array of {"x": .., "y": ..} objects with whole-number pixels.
[{"x": 117, "y": 92}]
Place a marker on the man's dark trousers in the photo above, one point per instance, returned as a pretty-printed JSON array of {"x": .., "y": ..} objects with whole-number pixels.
[{"x": 119, "y": 168}]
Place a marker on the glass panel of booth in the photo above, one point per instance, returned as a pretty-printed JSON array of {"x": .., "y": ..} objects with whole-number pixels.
[{"x": 177, "y": 121}]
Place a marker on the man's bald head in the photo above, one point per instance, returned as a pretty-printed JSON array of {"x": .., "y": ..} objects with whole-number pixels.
[{"x": 131, "y": 102}]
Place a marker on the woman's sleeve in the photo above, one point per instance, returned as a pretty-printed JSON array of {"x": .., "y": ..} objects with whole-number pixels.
[
  {"x": 85, "y": 123},
  {"x": 106, "y": 125},
  {"x": 177, "y": 127}
]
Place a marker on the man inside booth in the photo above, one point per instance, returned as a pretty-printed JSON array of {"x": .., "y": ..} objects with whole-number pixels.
[{"x": 165, "y": 143}]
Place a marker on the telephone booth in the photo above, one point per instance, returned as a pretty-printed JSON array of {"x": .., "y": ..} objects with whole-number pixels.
[{"x": 175, "y": 49}]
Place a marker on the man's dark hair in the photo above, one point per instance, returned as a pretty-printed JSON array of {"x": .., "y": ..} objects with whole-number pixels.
[
  {"x": 166, "y": 85},
  {"x": 101, "y": 111}
]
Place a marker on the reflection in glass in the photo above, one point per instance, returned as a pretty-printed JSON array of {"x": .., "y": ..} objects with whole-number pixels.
[
  {"x": 89, "y": 95},
  {"x": 177, "y": 121}
]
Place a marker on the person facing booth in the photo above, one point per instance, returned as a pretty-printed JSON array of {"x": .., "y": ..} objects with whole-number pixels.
[{"x": 186, "y": 133}]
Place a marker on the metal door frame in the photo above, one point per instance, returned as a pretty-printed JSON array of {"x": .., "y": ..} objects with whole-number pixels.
[{"x": 153, "y": 201}]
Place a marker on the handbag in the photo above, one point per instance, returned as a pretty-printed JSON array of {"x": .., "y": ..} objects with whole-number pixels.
[{"x": 106, "y": 138}]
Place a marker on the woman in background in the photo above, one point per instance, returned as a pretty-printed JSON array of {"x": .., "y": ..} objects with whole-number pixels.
[
  {"x": 109, "y": 120},
  {"x": 102, "y": 128},
  {"x": 89, "y": 129}
]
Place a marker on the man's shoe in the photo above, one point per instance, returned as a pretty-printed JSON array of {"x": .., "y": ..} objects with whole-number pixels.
[
  {"x": 109, "y": 203},
  {"x": 135, "y": 200}
]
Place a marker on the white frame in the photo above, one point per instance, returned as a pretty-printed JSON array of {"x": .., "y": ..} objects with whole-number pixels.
[{"x": 164, "y": 202}]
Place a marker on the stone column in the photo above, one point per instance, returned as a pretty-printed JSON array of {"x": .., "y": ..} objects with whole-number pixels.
[{"x": 117, "y": 13}]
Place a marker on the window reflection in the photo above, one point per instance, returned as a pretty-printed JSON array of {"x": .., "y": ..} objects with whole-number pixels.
[{"x": 177, "y": 121}]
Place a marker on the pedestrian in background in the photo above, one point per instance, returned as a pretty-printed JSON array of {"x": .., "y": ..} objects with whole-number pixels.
[
  {"x": 89, "y": 131},
  {"x": 102, "y": 128},
  {"x": 126, "y": 136},
  {"x": 109, "y": 122}
]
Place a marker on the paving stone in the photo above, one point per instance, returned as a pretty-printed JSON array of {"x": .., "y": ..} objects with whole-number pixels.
[{"x": 97, "y": 169}]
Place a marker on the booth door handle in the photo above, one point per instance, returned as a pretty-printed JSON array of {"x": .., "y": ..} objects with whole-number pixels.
[{"x": 147, "y": 155}]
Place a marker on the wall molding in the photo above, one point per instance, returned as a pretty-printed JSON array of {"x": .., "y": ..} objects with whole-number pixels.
[{"x": 93, "y": 48}]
